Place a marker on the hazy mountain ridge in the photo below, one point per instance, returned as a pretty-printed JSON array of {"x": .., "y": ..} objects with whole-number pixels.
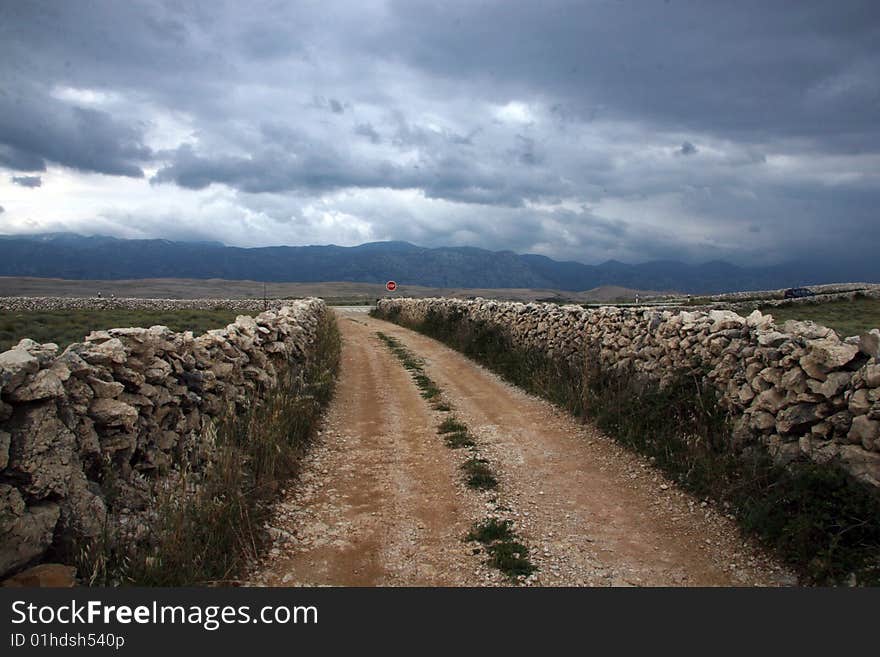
[{"x": 67, "y": 255}]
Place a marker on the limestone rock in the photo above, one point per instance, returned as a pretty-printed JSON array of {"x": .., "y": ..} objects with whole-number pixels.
[
  {"x": 796, "y": 416},
  {"x": 5, "y": 440},
  {"x": 110, "y": 412},
  {"x": 15, "y": 366},
  {"x": 808, "y": 330},
  {"x": 864, "y": 465},
  {"x": 869, "y": 344},
  {"x": 44, "y": 385},
  {"x": 825, "y": 355},
  {"x": 42, "y": 450},
  {"x": 105, "y": 353},
  {"x": 25, "y": 532},
  {"x": 106, "y": 389},
  {"x": 833, "y": 384},
  {"x": 46, "y": 575},
  {"x": 870, "y": 374},
  {"x": 864, "y": 431}
]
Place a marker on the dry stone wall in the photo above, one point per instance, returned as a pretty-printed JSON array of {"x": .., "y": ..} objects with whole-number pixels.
[
  {"x": 33, "y": 304},
  {"x": 95, "y": 430},
  {"x": 799, "y": 388}
]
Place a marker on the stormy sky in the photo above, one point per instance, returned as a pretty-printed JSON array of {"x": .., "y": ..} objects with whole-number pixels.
[{"x": 608, "y": 129}]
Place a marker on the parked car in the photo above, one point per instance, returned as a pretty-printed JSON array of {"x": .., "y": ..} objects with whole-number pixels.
[{"x": 798, "y": 293}]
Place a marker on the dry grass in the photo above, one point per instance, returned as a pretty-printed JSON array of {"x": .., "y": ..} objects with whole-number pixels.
[{"x": 65, "y": 327}]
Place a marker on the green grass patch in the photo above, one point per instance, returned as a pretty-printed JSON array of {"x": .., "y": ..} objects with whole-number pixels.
[
  {"x": 511, "y": 558},
  {"x": 451, "y": 425},
  {"x": 67, "y": 326},
  {"x": 847, "y": 317},
  {"x": 208, "y": 531},
  {"x": 505, "y": 552},
  {"x": 479, "y": 474},
  {"x": 490, "y": 530}
]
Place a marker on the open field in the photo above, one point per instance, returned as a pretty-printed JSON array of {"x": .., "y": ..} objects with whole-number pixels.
[
  {"x": 847, "y": 317},
  {"x": 72, "y": 326},
  {"x": 335, "y": 293}
]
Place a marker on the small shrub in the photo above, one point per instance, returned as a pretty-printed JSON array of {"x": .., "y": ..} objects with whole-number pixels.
[
  {"x": 451, "y": 425},
  {"x": 490, "y": 530},
  {"x": 511, "y": 558},
  {"x": 479, "y": 474},
  {"x": 458, "y": 440}
]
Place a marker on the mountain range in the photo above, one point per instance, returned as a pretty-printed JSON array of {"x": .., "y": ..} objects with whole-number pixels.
[{"x": 72, "y": 256}]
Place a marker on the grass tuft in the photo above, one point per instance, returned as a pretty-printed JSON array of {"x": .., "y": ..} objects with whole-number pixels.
[
  {"x": 458, "y": 440},
  {"x": 506, "y": 553},
  {"x": 479, "y": 474},
  {"x": 490, "y": 530},
  {"x": 451, "y": 425},
  {"x": 511, "y": 558}
]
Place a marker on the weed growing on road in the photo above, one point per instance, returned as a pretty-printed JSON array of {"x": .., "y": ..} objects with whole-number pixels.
[
  {"x": 511, "y": 558},
  {"x": 505, "y": 552},
  {"x": 451, "y": 425},
  {"x": 491, "y": 529},
  {"x": 479, "y": 474}
]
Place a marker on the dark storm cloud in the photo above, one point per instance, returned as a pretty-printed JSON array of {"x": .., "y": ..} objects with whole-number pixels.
[
  {"x": 304, "y": 166},
  {"x": 13, "y": 158},
  {"x": 687, "y": 148},
  {"x": 35, "y": 128},
  {"x": 27, "y": 181},
  {"x": 496, "y": 120},
  {"x": 755, "y": 70}
]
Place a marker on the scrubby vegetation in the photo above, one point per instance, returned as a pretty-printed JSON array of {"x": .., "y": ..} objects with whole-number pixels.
[
  {"x": 816, "y": 518},
  {"x": 208, "y": 531},
  {"x": 846, "y": 316},
  {"x": 65, "y": 327}
]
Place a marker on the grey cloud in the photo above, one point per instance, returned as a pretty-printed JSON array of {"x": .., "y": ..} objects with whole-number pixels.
[
  {"x": 719, "y": 74},
  {"x": 14, "y": 158},
  {"x": 2, "y": 209},
  {"x": 35, "y": 128},
  {"x": 368, "y": 131},
  {"x": 687, "y": 148},
  {"x": 27, "y": 181}
]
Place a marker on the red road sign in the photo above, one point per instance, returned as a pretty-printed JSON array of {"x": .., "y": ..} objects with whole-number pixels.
[{"x": 391, "y": 286}]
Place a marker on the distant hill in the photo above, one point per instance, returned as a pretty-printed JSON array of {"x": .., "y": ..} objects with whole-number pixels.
[{"x": 71, "y": 256}]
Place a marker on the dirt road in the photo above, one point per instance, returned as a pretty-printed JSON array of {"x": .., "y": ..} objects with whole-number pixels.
[{"x": 381, "y": 500}]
